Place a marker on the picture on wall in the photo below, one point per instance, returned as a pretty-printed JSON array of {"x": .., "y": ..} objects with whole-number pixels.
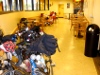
[{"x": 68, "y": 5}]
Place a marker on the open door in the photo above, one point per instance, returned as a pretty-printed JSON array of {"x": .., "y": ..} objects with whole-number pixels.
[{"x": 61, "y": 10}]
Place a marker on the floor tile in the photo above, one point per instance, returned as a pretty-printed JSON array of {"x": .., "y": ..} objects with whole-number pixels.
[{"x": 71, "y": 60}]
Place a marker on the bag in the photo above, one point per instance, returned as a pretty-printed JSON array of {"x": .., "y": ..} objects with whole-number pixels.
[
  {"x": 14, "y": 59},
  {"x": 46, "y": 44},
  {"x": 50, "y": 43},
  {"x": 36, "y": 29},
  {"x": 9, "y": 46},
  {"x": 23, "y": 20},
  {"x": 38, "y": 46},
  {"x": 10, "y": 37}
]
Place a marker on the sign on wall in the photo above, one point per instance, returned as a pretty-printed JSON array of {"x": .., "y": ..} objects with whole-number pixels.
[{"x": 68, "y": 5}]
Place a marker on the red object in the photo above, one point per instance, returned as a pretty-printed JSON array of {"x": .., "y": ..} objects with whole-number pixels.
[
  {"x": 27, "y": 63},
  {"x": 9, "y": 46}
]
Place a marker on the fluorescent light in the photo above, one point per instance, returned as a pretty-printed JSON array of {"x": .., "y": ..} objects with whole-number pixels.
[{"x": 77, "y": 0}]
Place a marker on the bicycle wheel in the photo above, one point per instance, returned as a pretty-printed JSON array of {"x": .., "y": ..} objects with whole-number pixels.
[
  {"x": 49, "y": 64},
  {"x": 15, "y": 72},
  {"x": 49, "y": 68},
  {"x": 7, "y": 72},
  {"x": 40, "y": 72}
]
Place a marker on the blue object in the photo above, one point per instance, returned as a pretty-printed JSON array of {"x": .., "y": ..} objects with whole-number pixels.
[
  {"x": 33, "y": 64},
  {"x": 14, "y": 37}
]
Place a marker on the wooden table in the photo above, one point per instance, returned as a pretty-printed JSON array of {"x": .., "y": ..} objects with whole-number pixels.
[{"x": 79, "y": 22}]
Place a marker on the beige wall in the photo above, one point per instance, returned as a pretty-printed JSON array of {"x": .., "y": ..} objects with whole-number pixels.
[
  {"x": 33, "y": 13},
  {"x": 55, "y": 3},
  {"x": 8, "y": 22}
]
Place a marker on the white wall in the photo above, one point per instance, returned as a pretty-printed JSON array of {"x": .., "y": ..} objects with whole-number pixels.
[
  {"x": 88, "y": 9},
  {"x": 92, "y": 11},
  {"x": 96, "y": 12}
]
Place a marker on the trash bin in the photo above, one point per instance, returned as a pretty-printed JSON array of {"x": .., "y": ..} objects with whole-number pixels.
[{"x": 91, "y": 42}]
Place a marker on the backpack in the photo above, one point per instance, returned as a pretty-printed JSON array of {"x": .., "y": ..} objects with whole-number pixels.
[
  {"x": 46, "y": 44},
  {"x": 50, "y": 43}
]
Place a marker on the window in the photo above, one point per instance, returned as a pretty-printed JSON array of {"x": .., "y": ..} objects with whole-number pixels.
[
  {"x": 17, "y": 5},
  {"x": 21, "y": 4},
  {"x": 46, "y": 4},
  {"x": 5, "y": 5},
  {"x": 13, "y": 5},
  {"x": 31, "y": 4},
  {"x": 1, "y": 6},
  {"x": 28, "y": 4},
  {"x": 42, "y": 5},
  {"x": 36, "y": 4}
]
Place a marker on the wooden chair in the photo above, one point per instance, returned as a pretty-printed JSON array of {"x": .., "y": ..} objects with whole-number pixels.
[
  {"x": 82, "y": 28},
  {"x": 74, "y": 21},
  {"x": 75, "y": 28},
  {"x": 79, "y": 27}
]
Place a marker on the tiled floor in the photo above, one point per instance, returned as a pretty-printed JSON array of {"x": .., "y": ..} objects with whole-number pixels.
[
  {"x": 97, "y": 63},
  {"x": 71, "y": 60}
]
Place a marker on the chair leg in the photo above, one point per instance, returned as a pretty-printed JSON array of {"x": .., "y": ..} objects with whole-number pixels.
[
  {"x": 84, "y": 35},
  {"x": 71, "y": 27}
]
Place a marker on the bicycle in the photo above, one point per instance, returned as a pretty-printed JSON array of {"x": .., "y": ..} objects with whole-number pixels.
[
  {"x": 11, "y": 70},
  {"x": 25, "y": 45}
]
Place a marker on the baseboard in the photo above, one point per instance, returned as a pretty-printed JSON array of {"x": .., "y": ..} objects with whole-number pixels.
[{"x": 60, "y": 17}]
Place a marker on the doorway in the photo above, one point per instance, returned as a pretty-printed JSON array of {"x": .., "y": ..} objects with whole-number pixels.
[{"x": 61, "y": 10}]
